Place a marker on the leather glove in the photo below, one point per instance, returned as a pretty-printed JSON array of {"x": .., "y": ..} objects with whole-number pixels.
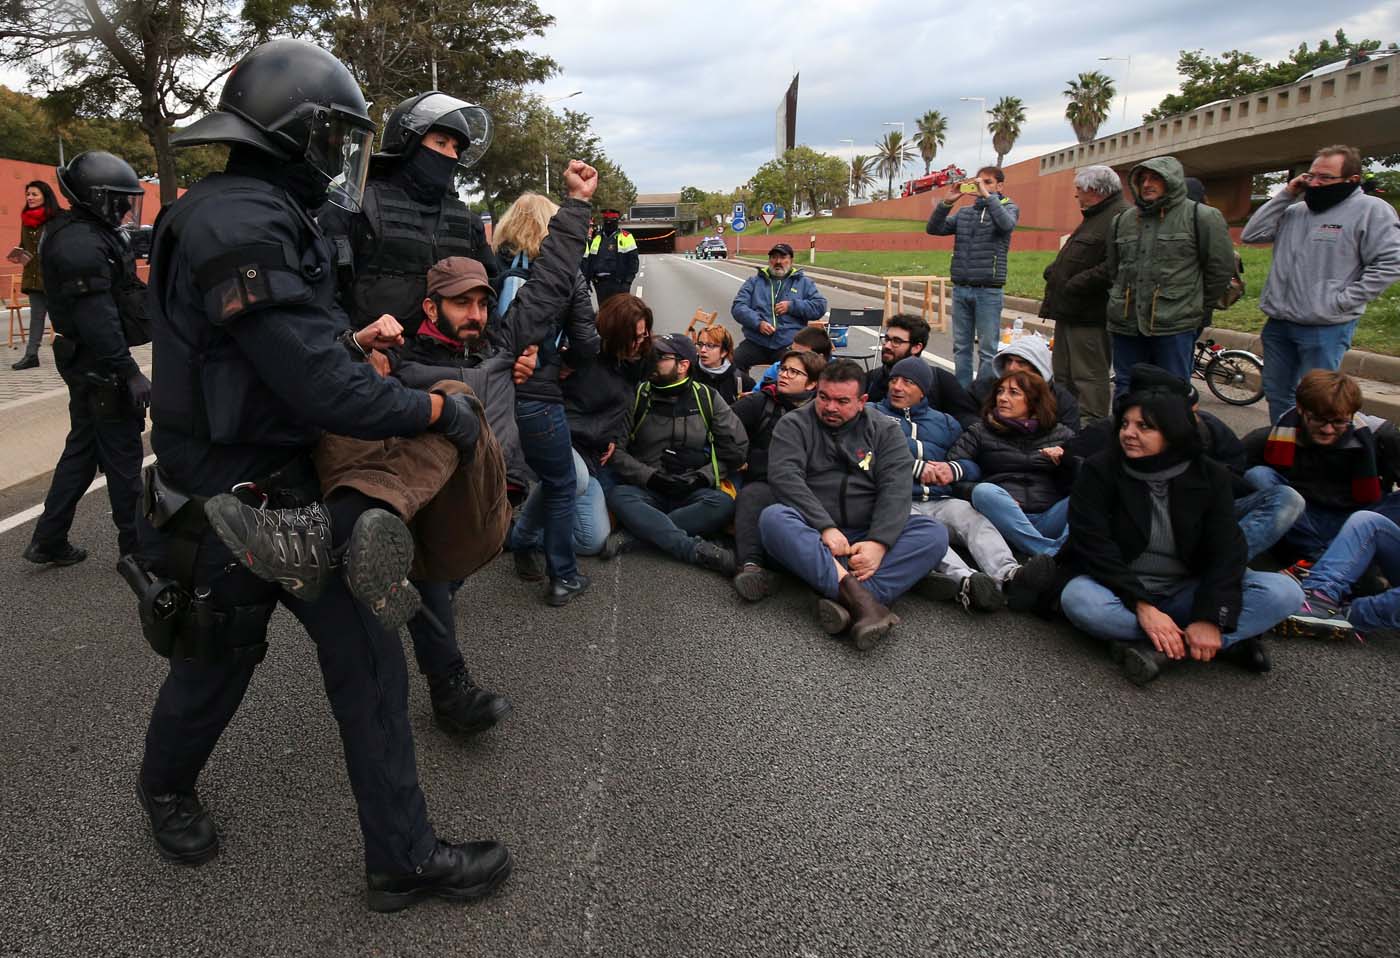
[
  {"x": 459, "y": 423},
  {"x": 140, "y": 389},
  {"x": 696, "y": 483},
  {"x": 669, "y": 486}
]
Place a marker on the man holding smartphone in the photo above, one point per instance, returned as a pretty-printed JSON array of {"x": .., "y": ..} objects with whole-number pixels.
[{"x": 982, "y": 237}]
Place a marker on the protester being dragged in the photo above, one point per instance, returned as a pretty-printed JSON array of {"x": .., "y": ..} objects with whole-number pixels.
[
  {"x": 842, "y": 522},
  {"x": 772, "y": 306},
  {"x": 759, "y": 412},
  {"x": 674, "y": 465},
  {"x": 1157, "y": 560},
  {"x": 1029, "y": 353},
  {"x": 808, "y": 339},
  {"x": 1333, "y": 607},
  {"x": 715, "y": 347},
  {"x": 905, "y": 335},
  {"x": 930, "y": 434}
]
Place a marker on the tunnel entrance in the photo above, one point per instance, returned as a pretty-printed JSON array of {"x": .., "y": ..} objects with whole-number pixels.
[{"x": 654, "y": 239}]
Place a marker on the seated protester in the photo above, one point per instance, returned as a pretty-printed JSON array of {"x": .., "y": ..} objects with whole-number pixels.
[
  {"x": 842, "y": 523},
  {"x": 1030, "y": 353},
  {"x": 1365, "y": 538},
  {"x": 1157, "y": 559},
  {"x": 1016, "y": 455},
  {"x": 680, "y": 446},
  {"x": 930, "y": 434},
  {"x": 596, "y": 400},
  {"x": 715, "y": 347},
  {"x": 772, "y": 306},
  {"x": 760, "y": 412},
  {"x": 1338, "y": 458},
  {"x": 905, "y": 335},
  {"x": 808, "y": 339}
]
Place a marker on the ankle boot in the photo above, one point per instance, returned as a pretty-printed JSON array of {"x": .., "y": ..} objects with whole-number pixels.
[{"x": 870, "y": 621}]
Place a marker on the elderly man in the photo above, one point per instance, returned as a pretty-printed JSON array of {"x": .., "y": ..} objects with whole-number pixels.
[
  {"x": 1334, "y": 252},
  {"x": 772, "y": 306},
  {"x": 1169, "y": 258},
  {"x": 1076, "y": 292}
]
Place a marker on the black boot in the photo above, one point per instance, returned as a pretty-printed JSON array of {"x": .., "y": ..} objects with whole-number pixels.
[
  {"x": 1139, "y": 662},
  {"x": 753, "y": 582},
  {"x": 183, "y": 831},
  {"x": 65, "y": 553},
  {"x": 455, "y": 872},
  {"x": 714, "y": 557},
  {"x": 377, "y": 562},
  {"x": 529, "y": 565},
  {"x": 462, "y": 707},
  {"x": 870, "y": 621},
  {"x": 1249, "y": 655},
  {"x": 28, "y": 362},
  {"x": 563, "y": 591}
]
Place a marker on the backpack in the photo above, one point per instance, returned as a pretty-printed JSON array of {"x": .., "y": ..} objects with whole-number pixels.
[
  {"x": 1235, "y": 291},
  {"x": 511, "y": 280},
  {"x": 705, "y": 403}
]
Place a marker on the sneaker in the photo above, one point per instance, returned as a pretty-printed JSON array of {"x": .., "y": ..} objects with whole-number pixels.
[
  {"x": 1320, "y": 618},
  {"x": 28, "y": 362},
  {"x": 377, "y": 561},
  {"x": 979, "y": 591},
  {"x": 563, "y": 591},
  {"x": 753, "y": 582},
  {"x": 937, "y": 587},
  {"x": 529, "y": 565},
  {"x": 461, "y": 706},
  {"x": 1299, "y": 570},
  {"x": 290, "y": 547},
  {"x": 716, "y": 558},
  {"x": 65, "y": 553},
  {"x": 1029, "y": 583}
]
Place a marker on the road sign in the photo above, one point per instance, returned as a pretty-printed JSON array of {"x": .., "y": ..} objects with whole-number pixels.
[
  {"x": 719, "y": 230},
  {"x": 770, "y": 208},
  {"x": 739, "y": 212},
  {"x": 769, "y": 216},
  {"x": 739, "y": 225}
]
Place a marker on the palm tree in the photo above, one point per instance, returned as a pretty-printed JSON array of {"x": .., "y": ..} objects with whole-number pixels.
[
  {"x": 1007, "y": 117},
  {"x": 862, "y": 173},
  {"x": 1090, "y": 102},
  {"x": 892, "y": 154},
  {"x": 932, "y": 132}
]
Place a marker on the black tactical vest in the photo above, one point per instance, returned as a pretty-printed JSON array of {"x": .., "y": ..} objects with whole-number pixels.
[{"x": 117, "y": 277}]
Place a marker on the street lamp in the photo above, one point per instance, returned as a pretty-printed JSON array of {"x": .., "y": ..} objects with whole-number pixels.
[
  {"x": 1126, "y": 73},
  {"x": 547, "y": 101},
  {"x": 849, "y": 172},
  {"x": 981, "y": 101}
]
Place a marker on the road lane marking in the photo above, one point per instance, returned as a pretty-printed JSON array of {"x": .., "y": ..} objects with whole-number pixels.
[{"x": 33, "y": 512}]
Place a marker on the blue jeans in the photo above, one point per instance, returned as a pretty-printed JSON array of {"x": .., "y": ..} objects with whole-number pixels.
[
  {"x": 1318, "y": 525},
  {"x": 976, "y": 313},
  {"x": 675, "y": 526},
  {"x": 1039, "y": 533},
  {"x": 544, "y": 439},
  {"x": 1291, "y": 350},
  {"x": 1365, "y": 537},
  {"x": 795, "y": 545},
  {"x": 1172, "y": 353},
  {"x": 1266, "y": 516},
  {"x": 591, "y": 525},
  {"x": 1268, "y": 599}
]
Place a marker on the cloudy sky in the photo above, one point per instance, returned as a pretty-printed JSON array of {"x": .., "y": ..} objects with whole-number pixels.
[{"x": 684, "y": 92}]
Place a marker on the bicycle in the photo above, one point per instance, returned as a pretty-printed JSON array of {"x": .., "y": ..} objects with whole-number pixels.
[{"x": 1235, "y": 376}]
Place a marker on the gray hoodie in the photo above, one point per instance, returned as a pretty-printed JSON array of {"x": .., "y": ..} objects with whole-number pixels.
[
  {"x": 1327, "y": 266},
  {"x": 1036, "y": 351}
]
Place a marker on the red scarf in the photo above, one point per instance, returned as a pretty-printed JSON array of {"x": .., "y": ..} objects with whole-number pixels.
[
  {"x": 32, "y": 216},
  {"x": 429, "y": 329}
]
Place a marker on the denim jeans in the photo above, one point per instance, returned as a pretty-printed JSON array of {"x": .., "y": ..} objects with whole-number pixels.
[
  {"x": 976, "y": 313},
  {"x": 1267, "y": 599},
  {"x": 1039, "y": 533},
  {"x": 591, "y": 526},
  {"x": 795, "y": 545},
  {"x": 675, "y": 526},
  {"x": 1364, "y": 538},
  {"x": 1317, "y": 526},
  {"x": 1266, "y": 516},
  {"x": 1172, "y": 353},
  {"x": 1291, "y": 350},
  {"x": 544, "y": 439}
]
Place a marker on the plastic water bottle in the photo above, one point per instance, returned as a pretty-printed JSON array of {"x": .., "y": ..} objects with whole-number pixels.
[
  {"x": 1006, "y": 335},
  {"x": 1018, "y": 329}
]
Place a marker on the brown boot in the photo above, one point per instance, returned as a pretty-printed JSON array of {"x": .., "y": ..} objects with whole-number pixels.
[{"x": 870, "y": 621}]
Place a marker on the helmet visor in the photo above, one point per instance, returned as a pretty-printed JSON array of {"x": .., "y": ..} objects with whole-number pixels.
[
  {"x": 470, "y": 124},
  {"x": 338, "y": 148},
  {"x": 116, "y": 207}
]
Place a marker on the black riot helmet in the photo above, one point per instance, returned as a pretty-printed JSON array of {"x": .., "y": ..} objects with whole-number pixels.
[
  {"x": 414, "y": 117},
  {"x": 104, "y": 185},
  {"x": 297, "y": 103}
]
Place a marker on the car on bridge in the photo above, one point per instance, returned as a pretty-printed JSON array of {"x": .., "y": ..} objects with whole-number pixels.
[{"x": 712, "y": 247}]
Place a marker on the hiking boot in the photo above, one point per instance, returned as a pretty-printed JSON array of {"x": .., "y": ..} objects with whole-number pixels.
[
  {"x": 1029, "y": 583},
  {"x": 1139, "y": 662},
  {"x": 870, "y": 621},
  {"x": 28, "y": 362},
  {"x": 529, "y": 565},
  {"x": 289, "y": 547},
  {"x": 832, "y": 616},
  {"x": 462, "y": 707},
  {"x": 1249, "y": 655},
  {"x": 377, "y": 561},
  {"x": 753, "y": 582},
  {"x": 980, "y": 591},
  {"x": 455, "y": 872},
  {"x": 563, "y": 591},
  {"x": 65, "y": 553},
  {"x": 183, "y": 831},
  {"x": 715, "y": 558},
  {"x": 937, "y": 587},
  {"x": 1320, "y": 618}
]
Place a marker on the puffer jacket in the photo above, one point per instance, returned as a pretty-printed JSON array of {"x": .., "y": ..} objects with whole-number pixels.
[
  {"x": 1077, "y": 282},
  {"x": 754, "y": 304},
  {"x": 930, "y": 434},
  {"x": 666, "y": 432},
  {"x": 982, "y": 237},
  {"x": 1036, "y": 351},
  {"x": 1168, "y": 259},
  {"x": 1014, "y": 462}
]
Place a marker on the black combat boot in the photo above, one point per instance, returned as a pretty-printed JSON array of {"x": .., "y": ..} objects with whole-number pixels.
[
  {"x": 455, "y": 872},
  {"x": 65, "y": 553},
  {"x": 462, "y": 707},
  {"x": 183, "y": 831}
]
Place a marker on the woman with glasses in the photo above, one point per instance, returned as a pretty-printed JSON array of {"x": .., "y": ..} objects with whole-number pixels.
[{"x": 717, "y": 369}]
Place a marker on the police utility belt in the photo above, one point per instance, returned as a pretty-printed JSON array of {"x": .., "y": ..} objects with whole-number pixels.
[{"x": 179, "y": 619}]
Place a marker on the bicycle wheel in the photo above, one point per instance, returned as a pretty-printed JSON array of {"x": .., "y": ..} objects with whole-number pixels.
[{"x": 1235, "y": 377}]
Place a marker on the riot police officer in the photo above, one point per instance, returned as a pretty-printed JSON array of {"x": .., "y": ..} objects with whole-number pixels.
[
  {"x": 95, "y": 301},
  {"x": 255, "y": 360},
  {"x": 613, "y": 259}
]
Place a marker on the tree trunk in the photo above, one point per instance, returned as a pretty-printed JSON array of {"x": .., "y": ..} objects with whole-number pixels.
[
  {"x": 158, "y": 132},
  {"x": 999, "y": 158}
]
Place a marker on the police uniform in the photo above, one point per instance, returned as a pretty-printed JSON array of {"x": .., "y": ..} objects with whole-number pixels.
[{"x": 612, "y": 261}]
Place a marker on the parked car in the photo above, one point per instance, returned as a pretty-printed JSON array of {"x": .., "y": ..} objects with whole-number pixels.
[
  {"x": 712, "y": 247},
  {"x": 825, "y": 213}
]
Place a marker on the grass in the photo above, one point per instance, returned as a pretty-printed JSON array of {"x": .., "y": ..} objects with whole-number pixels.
[{"x": 834, "y": 224}]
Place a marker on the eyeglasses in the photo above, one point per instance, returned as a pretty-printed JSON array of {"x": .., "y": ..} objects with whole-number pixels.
[
  {"x": 1320, "y": 177},
  {"x": 1317, "y": 422},
  {"x": 641, "y": 337},
  {"x": 894, "y": 340},
  {"x": 703, "y": 345},
  {"x": 791, "y": 371}
]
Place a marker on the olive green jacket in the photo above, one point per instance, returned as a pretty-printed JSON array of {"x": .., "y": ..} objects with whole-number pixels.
[{"x": 1168, "y": 258}]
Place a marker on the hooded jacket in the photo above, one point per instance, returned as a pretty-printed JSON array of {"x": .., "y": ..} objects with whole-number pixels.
[
  {"x": 1078, "y": 281},
  {"x": 930, "y": 435},
  {"x": 1036, "y": 351},
  {"x": 1168, "y": 258},
  {"x": 982, "y": 237},
  {"x": 761, "y": 292},
  {"x": 669, "y": 420}
]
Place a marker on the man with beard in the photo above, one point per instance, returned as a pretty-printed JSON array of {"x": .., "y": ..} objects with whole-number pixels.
[
  {"x": 1333, "y": 253},
  {"x": 772, "y": 306},
  {"x": 905, "y": 335}
]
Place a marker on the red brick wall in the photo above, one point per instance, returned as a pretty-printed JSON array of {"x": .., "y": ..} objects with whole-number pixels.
[{"x": 828, "y": 242}]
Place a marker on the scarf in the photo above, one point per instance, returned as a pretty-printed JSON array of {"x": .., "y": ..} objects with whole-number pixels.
[
  {"x": 1282, "y": 446},
  {"x": 429, "y": 329},
  {"x": 719, "y": 370},
  {"x": 32, "y": 216},
  {"x": 1027, "y": 427},
  {"x": 1320, "y": 199}
]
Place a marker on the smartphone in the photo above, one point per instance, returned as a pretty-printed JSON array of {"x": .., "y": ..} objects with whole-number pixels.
[{"x": 967, "y": 186}]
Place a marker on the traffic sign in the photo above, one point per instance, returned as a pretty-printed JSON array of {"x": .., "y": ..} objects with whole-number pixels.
[
  {"x": 719, "y": 230},
  {"x": 739, "y": 225},
  {"x": 739, "y": 212},
  {"x": 769, "y": 216},
  {"x": 770, "y": 208}
]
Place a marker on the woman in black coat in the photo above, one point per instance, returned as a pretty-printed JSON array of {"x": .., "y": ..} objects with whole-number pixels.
[{"x": 1157, "y": 557}]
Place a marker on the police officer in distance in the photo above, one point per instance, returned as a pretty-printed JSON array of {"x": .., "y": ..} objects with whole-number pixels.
[
  {"x": 255, "y": 360},
  {"x": 613, "y": 259},
  {"x": 96, "y": 304}
]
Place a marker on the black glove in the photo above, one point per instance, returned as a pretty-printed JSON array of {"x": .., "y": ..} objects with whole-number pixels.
[
  {"x": 670, "y": 486},
  {"x": 460, "y": 423},
  {"x": 140, "y": 388}
]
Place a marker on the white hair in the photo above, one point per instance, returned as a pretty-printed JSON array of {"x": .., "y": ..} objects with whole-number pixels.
[{"x": 1103, "y": 180}]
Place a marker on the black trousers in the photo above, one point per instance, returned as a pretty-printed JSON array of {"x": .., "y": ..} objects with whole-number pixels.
[
  {"x": 754, "y": 497},
  {"x": 749, "y": 354},
  {"x": 435, "y": 649},
  {"x": 366, "y": 680},
  {"x": 607, "y": 288},
  {"x": 109, "y": 437}
]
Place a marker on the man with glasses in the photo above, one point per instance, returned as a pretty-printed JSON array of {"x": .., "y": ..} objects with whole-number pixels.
[
  {"x": 905, "y": 335},
  {"x": 1334, "y": 252}
]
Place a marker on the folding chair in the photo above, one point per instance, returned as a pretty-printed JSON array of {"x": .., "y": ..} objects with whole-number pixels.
[
  {"x": 702, "y": 319},
  {"x": 839, "y": 322},
  {"x": 15, "y": 303}
]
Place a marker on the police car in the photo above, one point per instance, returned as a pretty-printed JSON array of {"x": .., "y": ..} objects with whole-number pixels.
[{"x": 712, "y": 247}]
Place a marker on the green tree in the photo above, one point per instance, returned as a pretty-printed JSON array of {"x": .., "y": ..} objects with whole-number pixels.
[
  {"x": 693, "y": 194},
  {"x": 892, "y": 154},
  {"x": 772, "y": 182},
  {"x": 863, "y": 173},
  {"x": 931, "y": 132},
  {"x": 1090, "y": 101},
  {"x": 1005, "y": 126},
  {"x": 818, "y": 177}
]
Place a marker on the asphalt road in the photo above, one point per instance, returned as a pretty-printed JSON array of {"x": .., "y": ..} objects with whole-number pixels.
[{"x": 686, "y": 775}]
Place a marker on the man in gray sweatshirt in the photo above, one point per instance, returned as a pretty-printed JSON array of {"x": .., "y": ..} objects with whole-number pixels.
[{"x": 1333, "y": 253}]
